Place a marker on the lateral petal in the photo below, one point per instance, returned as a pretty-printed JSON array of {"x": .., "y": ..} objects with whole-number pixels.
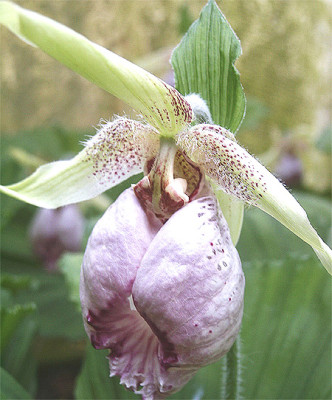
[
  {"x": 241, "y": 175},
  {"x": 119, "y": 150}
]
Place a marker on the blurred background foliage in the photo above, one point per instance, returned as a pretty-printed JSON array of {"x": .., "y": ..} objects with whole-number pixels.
[{"x": 46, "y": 110}]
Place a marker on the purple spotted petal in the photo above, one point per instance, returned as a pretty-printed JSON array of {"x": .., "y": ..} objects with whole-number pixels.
[{"x": 186, "y": 281}]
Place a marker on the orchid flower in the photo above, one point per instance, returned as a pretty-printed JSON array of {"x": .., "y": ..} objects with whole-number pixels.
[
  {"x": 161, "y": 284},
  {"x": 124, "y": 147}
]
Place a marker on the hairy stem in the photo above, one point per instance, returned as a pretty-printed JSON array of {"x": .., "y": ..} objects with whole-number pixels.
[{"x": 231, "y": 373}]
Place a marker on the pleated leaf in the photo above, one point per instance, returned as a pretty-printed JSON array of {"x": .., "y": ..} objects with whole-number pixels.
[
  {"x": 203, "y": 63},
  {"x": 286, "y": 335}
]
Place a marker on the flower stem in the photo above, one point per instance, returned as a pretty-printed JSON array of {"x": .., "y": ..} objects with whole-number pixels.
[{"x": 231, "y": 373}]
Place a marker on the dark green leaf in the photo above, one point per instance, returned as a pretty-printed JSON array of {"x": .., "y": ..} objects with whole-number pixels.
[
  {"x": 10, "y": 319},
  {"x": 70, "y": 266},
  {"x": 10, "y": 389},
  {"x": 286, "y": 330},
  {"x": 18, "y": 356},
  {"x": 15, "y": 283},
  {"x": 203, "y": 63},
  {"x": 63, "y": 320},
  {"x": 56, "y": 315}
]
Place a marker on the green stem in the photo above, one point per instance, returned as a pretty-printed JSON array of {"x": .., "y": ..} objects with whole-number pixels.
[{"x": 231, "y": 374}]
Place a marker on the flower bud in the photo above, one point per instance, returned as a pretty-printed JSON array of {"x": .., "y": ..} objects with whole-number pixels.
[
  {"x": 165, "y": 299},
  {"x": 55, "y": 231},
  {"x": 289, "y": 170}
]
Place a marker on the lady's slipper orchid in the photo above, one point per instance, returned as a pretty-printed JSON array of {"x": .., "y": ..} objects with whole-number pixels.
[
  {"x": 165, "y": 299},
  {"x": 123, "y": 147},
  {"x": 184, "y": 277},
  {"x": 54, "y": 232}
]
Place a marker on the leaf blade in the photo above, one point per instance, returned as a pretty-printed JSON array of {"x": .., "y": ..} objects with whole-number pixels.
[
  {"x": 292, "y": 303},
  {"x": 203, "y": 63},
  {"x": 10, "y": 388}
]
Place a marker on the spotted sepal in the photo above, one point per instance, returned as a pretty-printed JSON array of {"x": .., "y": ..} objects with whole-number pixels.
[
  {"x": 241, "y": 175},
  {"x": 118, "y": 150}
]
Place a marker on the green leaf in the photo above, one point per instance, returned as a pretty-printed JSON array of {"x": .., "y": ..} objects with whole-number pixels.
[
  {"x": 14, "y": 282},
  {"x": 10, "y": 389},
  {"x": 286, "y": 330},
  {"x": 159, "y": 103},
  {"x": 10, "y": 319},
  {"x": 18, "y": 358},
  {"x": 64, "y": 320},
  {"x": 55, "y": 315},
  {"x": 70, "y": 266},
  {"x": 203, "y": 63}
]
